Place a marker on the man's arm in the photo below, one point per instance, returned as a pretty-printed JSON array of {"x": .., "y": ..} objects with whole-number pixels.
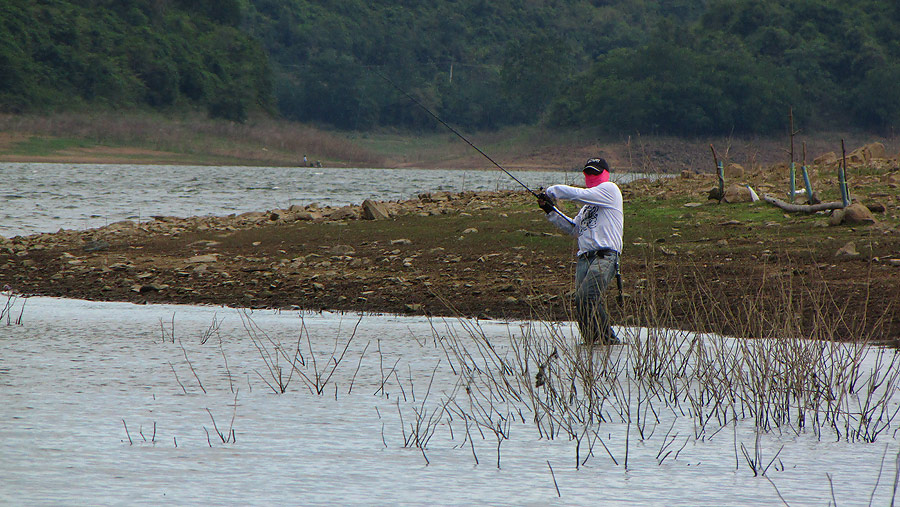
[
  {"x": 554, "y": 215},
  {"x": 560, "y": 220},
  {"x": 598, "y": 196}
]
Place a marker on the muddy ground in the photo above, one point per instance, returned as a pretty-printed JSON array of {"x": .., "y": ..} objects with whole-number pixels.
[{"x": 745, "y": 269}]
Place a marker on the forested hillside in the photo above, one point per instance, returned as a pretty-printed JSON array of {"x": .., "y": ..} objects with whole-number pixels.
[
  {"x": 743, "y": 65},
  {"x": 480, "y": 63},
  {"x": 683, "y": 67},
  {"x": 163, "y": 55}
]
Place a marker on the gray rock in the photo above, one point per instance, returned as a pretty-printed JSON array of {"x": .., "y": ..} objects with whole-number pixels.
[
  {"x": 855, "y": 214},
  {"x": 372, "y": 210},
  {"x": 836, "y": 218},
  {"x": 342, "y": 250},
  {"x": 344, "y": 213},
  {"x": 847, "y": 251},
  {"x": 306, "y": 215},
  {"x": 858, "y": 214},
  {"x": 95, "y": 246},
  {"x": 199, "y": 259},
  {"x": 738, "y": 193},
  {"x": 734, "y": 171},
  {"x": 122, "y": 225}
]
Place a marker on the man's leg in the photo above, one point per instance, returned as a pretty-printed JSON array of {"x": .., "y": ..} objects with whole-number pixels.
[{"x": 591, "y": 279}]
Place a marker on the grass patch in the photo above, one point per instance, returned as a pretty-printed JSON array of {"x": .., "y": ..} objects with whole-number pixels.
[{"x": 38, "y": 146}]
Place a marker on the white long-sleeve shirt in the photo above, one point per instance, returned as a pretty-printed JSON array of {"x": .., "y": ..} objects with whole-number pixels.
[{"x": 600, "y": 222}]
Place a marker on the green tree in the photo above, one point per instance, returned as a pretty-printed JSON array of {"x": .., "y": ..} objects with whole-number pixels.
[{"x": 533, "y": 72}]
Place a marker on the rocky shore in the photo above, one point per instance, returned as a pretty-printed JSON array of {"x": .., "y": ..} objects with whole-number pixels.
[{"x": 494, "y": 255}]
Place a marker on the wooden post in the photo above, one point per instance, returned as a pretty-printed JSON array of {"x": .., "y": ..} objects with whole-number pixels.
[
  {"x": 720, "y": 171},
  {"x": 793, "y": 170},
  {"x": 842, "y": 177},
  {"x": 809, "y": 192}
]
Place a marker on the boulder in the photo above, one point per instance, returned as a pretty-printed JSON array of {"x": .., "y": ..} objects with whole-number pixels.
[
  {"x": 342, "y": 250},
  {"x": 855, "y": 214},
  {"x": 344, "y": 213},
  {"x": 891, "y": 178},
  {"x": 372, "y": 210},
  {"x": 738, "y": 193},
  {"x": 836, "y": 218},
  {"x": 95, "y": 246},
  {"x": 122, "y": 225},
  {"x": 866, "y": 154},
  {"x": 858, "y": 214},
  {"x": 826, "y": 159},
  {"x": 734, "y": 171},
  {"x": 306, "y": 215},
  {"x": 201, "y": 259},
  {"x": 876, "y": 207},
  {"x": 847, "y": 251},
  {"x": 252, "y": 216}
]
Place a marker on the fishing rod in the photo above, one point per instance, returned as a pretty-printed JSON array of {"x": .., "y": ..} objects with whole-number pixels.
[
  {"x": 442, "y": 122},
  {"x": 621, "y": 298}
]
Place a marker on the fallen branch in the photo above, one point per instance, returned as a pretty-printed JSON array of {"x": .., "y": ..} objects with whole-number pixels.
[{"x": 802, "y": 208}]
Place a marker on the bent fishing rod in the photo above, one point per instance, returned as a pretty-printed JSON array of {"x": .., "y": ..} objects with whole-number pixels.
[
  {"x": 621, "y": 298},
  {"x": 451, "y": 129}
]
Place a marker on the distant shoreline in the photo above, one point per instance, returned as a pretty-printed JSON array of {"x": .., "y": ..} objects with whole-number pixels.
[{"x": 136, "y": 138}]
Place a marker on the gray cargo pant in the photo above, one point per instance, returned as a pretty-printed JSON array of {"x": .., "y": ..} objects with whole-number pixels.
[{"x": 593, "y": 273}]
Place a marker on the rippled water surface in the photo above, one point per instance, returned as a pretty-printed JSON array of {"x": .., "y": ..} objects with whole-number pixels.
[
  {"x": 40, "y": 197},
  {"x": 99, "y": 405}
]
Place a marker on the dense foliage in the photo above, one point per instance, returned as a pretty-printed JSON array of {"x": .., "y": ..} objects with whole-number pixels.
[
  {"x": 130, "y": 53},
  {"x": 478, "y": 63},
  {"x": 678, "y": 67},
  {"x": 743, "y": 64}
]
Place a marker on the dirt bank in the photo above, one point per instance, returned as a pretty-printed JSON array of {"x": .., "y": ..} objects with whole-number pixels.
[{"x": 745, "y": 269}]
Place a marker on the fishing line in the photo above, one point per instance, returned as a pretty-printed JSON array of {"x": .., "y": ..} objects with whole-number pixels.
[
  {"x": 621, "y": 297},
  {"x": 442, "y": 122}
]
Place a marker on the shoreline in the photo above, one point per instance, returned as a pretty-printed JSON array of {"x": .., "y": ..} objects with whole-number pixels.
[
  {"x": 136, "y": 138},
  {"x": 734, "y": 269}
]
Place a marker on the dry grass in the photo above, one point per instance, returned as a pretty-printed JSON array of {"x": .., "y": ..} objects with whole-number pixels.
[
  {"x": 197, "y": 139},
  {"x": 786, "y": 381},
  {"x": 258, "y": 140}
]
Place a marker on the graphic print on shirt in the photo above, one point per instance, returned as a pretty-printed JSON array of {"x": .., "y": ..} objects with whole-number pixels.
[{"x": 588, "y": 218}]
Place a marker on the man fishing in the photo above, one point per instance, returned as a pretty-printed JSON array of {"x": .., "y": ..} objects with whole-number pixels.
[{"x": 598, "y": 228}]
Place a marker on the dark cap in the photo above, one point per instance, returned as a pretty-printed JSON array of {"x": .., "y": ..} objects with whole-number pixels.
[{"x": 596, "y": 166}]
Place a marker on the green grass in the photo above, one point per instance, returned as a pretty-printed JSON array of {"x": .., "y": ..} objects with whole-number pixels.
[{"x": 36, "y": 146}]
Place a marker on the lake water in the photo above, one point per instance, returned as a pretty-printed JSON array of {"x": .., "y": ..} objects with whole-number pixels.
[
  {"x": 99, "y": 405},
  {"x": 40, "y": 197}
]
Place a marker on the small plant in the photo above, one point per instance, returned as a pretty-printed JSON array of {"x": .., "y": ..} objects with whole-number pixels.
[
  {"x": 228, "y": 436},
  {"x": 6, "y": 310},
  {"x": 282, "y": 364},
  {"x": 781, "y": 382}
]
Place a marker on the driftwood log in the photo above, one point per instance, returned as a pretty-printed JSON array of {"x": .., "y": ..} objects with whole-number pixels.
[{"x": 802, "y": 208}]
